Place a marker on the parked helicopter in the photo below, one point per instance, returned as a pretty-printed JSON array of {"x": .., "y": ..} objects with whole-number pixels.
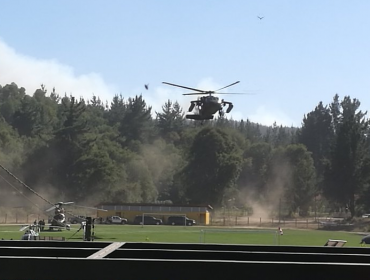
[
  {"x": 59, "y": 220},
  {"x": 208, "y": 105},
  {"x": 31, "y": 232}
]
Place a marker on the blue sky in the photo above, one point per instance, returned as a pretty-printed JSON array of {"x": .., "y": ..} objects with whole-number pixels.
[{"x": 300, "y": 53}]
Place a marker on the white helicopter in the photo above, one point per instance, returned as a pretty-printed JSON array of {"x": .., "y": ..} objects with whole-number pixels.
[
  {"x": 32, "y": 232},
  {"x": 59, "y": 220}
]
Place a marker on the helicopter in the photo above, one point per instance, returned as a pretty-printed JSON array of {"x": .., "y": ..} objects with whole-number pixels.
[
  {"x": 207, "y": 105},
  {"x": 32, "y": 232},
  {"x": 59, "y": 220}
]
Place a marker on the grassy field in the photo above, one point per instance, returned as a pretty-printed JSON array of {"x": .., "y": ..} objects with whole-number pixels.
[{"x": 181, "y": 234}]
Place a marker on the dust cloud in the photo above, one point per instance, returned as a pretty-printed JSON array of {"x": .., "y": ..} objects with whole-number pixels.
[{"x": 269, "y": 202}]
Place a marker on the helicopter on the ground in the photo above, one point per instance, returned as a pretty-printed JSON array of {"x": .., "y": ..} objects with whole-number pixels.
[
  {"x": 208, "y": 105},
  {"x": 31, "y": 232},
  {"x": 59, "y": 219}
]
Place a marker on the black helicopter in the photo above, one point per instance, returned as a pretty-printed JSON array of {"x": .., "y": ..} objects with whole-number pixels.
[{"x": 208, "y": 105}]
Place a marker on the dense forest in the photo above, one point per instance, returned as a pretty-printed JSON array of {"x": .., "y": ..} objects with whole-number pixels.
[{"x": 68, "y": 148}]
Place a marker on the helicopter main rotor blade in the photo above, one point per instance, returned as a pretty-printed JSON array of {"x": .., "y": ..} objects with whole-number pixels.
[
  {"x": 66, "y": 203},
  {"x": 23, "y": 228},
  {"x": 234, "y": 93},
  {"x": 197, "y": 93},
  {"x": 93, "y": 208},
  {"x": 203, "y": 91},
  {"x": 51, "y": 208},
  {"x": 228, "y": 85}
]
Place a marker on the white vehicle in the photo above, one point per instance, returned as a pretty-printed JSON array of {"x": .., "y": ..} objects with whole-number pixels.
[{"x": 116, "y": 220}]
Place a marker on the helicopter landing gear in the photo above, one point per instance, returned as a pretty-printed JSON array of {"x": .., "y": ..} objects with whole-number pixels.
[
  {"x": 192, "y": 105},
  {"x": 229, "y": 108}
]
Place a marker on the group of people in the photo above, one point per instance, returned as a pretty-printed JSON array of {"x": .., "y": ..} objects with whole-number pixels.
[{"x": 40, "y": 223}]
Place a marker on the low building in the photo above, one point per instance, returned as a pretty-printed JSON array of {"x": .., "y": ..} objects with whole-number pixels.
[{"x": 199, "y": 213}]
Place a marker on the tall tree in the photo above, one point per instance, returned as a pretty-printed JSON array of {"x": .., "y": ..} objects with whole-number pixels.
[
  {"x": 171, "y": 120},
  {"x": 57, "y": 162},
  {"x": 36, "y": 115},
  {"x": 317, "y": 134},
  {"x": 335, "y": 110},
  {"x": 293, "y": 171},
  {"x": 213, "y": 167},
  {"x": 137, "y": 123},
  {"x": 10, "y": 101},
  {"x": 348, "y": 172},
  {"x": 254, "y": 175},
  {"x": 116, "y": 111}
]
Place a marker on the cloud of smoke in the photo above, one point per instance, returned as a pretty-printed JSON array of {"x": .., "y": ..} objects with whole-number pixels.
[
  {"x": 30, "y": 73},
  {"x": 270, "y": 202}
]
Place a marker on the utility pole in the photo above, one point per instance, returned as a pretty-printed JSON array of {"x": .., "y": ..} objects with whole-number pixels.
[{"x": 87, "y": 234}]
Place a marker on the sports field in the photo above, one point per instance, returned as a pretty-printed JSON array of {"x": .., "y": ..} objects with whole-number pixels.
[{"x": 196, "y": 234}]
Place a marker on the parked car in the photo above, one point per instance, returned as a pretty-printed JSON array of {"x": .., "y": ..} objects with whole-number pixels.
[
  {"x": 77, "y": 219},
  {"x": 148, "y": 220},
  {"x": 116, "y": 220},
  {"x": 180, "y": 220}
]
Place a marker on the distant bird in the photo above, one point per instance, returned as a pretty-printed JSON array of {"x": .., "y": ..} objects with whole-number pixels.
[
  {"x": 260, "y": 17},
  {"x": 147, "y": 86},
  {"x": 365, "y": 240}
]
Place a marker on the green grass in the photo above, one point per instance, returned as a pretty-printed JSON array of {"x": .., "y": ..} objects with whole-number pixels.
[{"x": 181, "y": 234}]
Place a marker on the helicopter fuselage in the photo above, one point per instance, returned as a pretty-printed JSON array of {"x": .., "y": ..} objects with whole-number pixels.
[
  {"x": 207, "y": 106},
  {"x": 210, "y": 105}
]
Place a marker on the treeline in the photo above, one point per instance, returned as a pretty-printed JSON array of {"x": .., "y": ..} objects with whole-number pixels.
[{"x": 69, "y": 148}]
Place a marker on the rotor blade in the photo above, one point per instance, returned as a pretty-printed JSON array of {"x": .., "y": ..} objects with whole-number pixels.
[
  {"x": 23, "y": 228},
  {"x": 228, "y": 85},
  {"x": 66, "y": 203},
  {"x": 94, "y": 208},
  {"x": 51, "y": 208},
  {"x": 196, "y": 93},
  {"x": 184, "y": 87},
  {"x": 234, "y": 93}
]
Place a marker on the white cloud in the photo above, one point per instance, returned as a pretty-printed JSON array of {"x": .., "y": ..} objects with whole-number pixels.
[
  {"x": 208, "y": 84},
  {"x": 30, "y": 73},
  {"x": 267, "y": 116}
]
